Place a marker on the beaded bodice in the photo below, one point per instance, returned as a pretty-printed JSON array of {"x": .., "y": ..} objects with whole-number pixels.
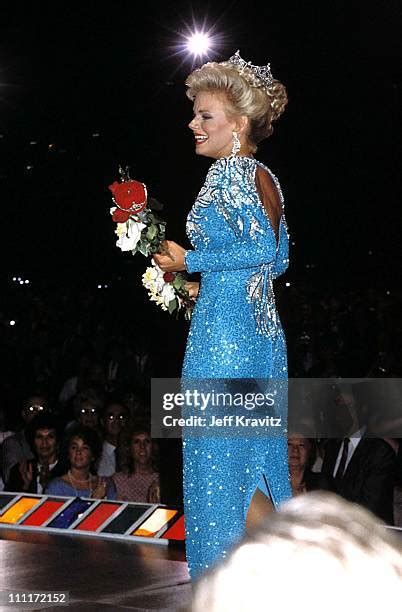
[{"x": 230, "y": 230}]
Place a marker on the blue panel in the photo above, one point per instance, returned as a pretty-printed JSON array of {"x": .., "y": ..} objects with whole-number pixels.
[{"x": 70, "y": 514}]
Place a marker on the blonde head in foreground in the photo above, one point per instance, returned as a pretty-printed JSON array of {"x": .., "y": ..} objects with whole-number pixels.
[{"x": 317, "y": 552}]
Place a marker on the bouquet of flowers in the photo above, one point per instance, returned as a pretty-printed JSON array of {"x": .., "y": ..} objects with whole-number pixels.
[
  {"x": 168, "y": 290},
  {"x": 140, "y": 230}
]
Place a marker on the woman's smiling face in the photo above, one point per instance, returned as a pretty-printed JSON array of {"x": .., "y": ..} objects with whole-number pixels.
[
  {"x": 141, "y": 448},
  {"x": 79, "y": 453},
  {"x": 211, "y": 126}
]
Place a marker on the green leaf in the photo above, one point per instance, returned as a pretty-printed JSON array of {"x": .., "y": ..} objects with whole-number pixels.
[
  {"x": 173, "y": 304},
  {"x": 152, "y": 231},
  {"x": 142, "y": 248},
  {"x": 177, "y": 283}
]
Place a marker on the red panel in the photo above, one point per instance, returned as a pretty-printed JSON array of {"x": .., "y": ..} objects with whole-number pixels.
[
  {"x": 176, "y": 531},
  {"x": 42, "y": 514},
  {"x": 98, "y": 516}
]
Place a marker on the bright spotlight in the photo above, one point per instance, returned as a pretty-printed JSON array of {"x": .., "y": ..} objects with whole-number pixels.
[
  {"x": 198, "y": 43},
  {"x": 12, "y": 322}
]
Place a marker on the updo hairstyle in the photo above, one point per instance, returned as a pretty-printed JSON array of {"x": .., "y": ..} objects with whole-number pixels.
[{"x": 246, "y": 94}]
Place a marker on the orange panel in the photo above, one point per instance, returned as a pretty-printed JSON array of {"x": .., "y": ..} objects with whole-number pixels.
[
  {"x": 155, "y": 522},
  {"x": 13, "y": 514}
]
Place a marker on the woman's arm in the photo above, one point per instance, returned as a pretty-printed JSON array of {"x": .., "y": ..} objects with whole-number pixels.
[
  {"x": 249, "y": 251},
  {"x": 243, "y": 253}
]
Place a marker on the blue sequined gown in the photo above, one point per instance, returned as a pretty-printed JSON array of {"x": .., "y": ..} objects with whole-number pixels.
[{"x": 235, "y": 333}]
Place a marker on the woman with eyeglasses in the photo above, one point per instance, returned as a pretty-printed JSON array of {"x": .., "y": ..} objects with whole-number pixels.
[
  {"x": 83, "y": 450},
  {"x": 88, "y": 405},
  {"x": 114, "y": 419}
]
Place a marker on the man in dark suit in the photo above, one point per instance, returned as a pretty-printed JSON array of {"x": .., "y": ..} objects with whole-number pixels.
[
  {"x": 32, "y": 475},
  {"x": 363, "y": 467}
]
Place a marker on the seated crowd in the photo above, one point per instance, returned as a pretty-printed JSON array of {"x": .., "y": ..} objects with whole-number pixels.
[
  {"x": 102, "y": 448},
  {"x": 71, "y": 340},
  {"x": 103, "y": 451}
]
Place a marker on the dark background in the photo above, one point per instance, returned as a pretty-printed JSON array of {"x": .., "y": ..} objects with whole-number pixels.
[
  {"x": 84, "y": 89},
  {"x": 94, "y": 87}
]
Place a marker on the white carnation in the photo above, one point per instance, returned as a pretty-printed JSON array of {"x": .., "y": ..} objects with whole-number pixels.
[
  {"x": 168, "y": 294},
  {"x": 129, "y": 238}
]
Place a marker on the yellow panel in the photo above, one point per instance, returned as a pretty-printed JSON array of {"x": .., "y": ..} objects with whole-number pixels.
[
  {"x": 155, "y": 522},
  {"x": 13, "y": 514}
]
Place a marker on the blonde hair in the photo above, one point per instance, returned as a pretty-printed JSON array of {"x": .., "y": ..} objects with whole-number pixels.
[
  {"x": 246, "y": 96},
  {"x": 315, "y": 541}
]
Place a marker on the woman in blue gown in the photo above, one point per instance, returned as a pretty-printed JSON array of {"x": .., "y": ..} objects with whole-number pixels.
[{"x": 240, "y": 244}]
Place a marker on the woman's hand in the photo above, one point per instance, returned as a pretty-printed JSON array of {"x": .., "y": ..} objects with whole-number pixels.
[
  {"x": 26, "y": 471},
  {"x": 154, "y": 494},
  {"x": 192, "y": 289},
  {"x": 99, "y": 491},
  {"x": 171, "y": 259}
]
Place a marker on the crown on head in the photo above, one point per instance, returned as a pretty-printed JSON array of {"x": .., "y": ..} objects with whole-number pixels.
[{"x": 262, "y": 73}]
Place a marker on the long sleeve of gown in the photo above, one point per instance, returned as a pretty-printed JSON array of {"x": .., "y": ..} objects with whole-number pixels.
[
  {"x": 243, "y": 253},
  {"x": 248, "y": 240}
]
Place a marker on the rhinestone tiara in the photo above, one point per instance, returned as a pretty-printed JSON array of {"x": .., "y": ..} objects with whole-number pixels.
[{"x": 262, "y": 73}]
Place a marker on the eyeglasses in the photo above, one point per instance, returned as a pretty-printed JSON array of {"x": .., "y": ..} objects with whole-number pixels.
[
  {"x": 114, "y": 417},
  {"x": 35, "y": 408}
]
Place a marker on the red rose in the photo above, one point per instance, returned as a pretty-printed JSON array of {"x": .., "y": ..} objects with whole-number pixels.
[
  {"x": 129, "y": 195},
  {"x": 120, "y": 216},
  {"x": 168, "y": 277}
]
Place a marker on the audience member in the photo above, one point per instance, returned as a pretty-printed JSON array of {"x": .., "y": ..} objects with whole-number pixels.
[
  {"x": 88, "y": 405},
  {"x": 137, "y": 406},
  {"x": 114, "y": 360},
  {"x": 363, "y": 468},
  {"x": 317, "y": 551},
  {"x": 75, "y": 383},
  {"x": 80, "y": 480},
  {"x": 114, "y": 419},
  {"x": 302, "y": 455},
  {"x": 16, "y": 448},
  {"x": 32, "y": 475},
  {"x": 139, "y": 479},
  {"x": 91, "y": 375}
]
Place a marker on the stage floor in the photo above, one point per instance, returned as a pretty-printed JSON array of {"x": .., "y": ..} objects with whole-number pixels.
[{"x": 99, "y": 574}]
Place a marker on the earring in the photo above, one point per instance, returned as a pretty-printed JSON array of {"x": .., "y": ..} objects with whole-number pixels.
[{"x": 236, "y": 144}]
